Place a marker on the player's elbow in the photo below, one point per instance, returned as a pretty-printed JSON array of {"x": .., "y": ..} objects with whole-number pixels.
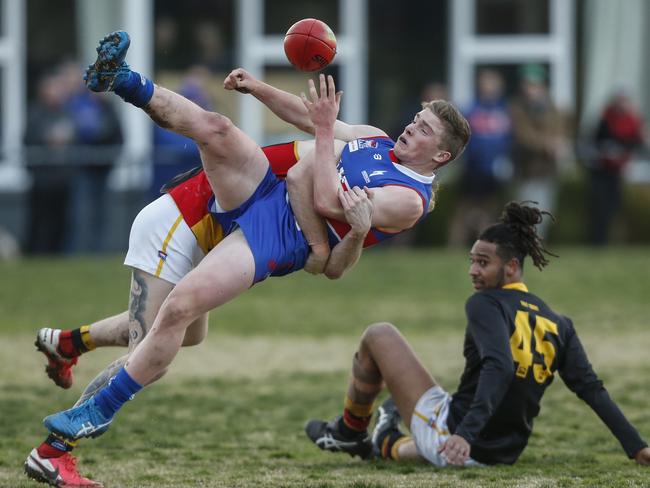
[
  {"x": 413, "y": 213},
  {"x": 326, "y": 207},
  {"x": 333, "y": 274}
]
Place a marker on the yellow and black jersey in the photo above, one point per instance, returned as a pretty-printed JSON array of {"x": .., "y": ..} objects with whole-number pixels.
[{"x": 514, "y": 344}]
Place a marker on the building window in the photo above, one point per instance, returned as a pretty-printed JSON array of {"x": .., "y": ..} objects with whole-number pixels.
[{"x": 498, "y": 17}]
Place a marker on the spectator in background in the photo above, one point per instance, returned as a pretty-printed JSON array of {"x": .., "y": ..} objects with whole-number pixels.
[
  {"x": 168, "y": 53},
  {"x": 49, "y": 135},
  {"x": 539, "y": 141},
  {"x": 98, "y": 140},
  {"x": 620, "y": 130},
  {"x": 486, "y": 162},
  {"x": 174, "y": 153},
  {"x": 211, "y": 50}
]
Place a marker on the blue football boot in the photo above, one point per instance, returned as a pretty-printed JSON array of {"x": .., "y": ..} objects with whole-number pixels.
[
  {"x": 86, "y": 420},
  {"x": 109, "y": 69}
]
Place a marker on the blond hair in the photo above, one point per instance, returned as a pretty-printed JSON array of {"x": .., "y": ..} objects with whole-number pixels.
[
  {"x": 434, "y": 196},
  {"x": 457, "y": 131}
]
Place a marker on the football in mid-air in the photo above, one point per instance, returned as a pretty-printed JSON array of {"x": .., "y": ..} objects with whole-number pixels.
[{"x": 310, "y": 45}]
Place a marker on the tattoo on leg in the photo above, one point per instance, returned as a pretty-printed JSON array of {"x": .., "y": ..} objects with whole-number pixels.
[
  {"x": 137, "y": 307},
  {"x": 101, "y": 379}
]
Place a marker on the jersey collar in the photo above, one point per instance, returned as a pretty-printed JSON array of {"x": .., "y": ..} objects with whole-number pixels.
[
  {"x": 516, "y": 286},
  {"x": 428, "y": 180}
]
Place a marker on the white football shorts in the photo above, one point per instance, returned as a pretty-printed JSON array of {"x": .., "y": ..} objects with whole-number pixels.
[
  {"x": 429, "y": 426},
  {"x": 161, "y": 243}
]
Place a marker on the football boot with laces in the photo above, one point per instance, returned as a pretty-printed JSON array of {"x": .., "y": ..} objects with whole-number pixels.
[
  {"x": 61, "y": 472},
  {"x": 326, "y": 436}
]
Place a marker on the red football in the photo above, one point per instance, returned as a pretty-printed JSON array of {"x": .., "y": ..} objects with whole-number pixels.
[{"x": 310, "y": 45}]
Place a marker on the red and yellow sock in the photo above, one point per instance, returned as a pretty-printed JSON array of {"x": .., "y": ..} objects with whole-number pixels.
[
  {"x": 356, "y": 417},
  {"x": 73, "y": 343},
  {"x": 55, "y": 446},
  {"x": 391, "y": 443}
]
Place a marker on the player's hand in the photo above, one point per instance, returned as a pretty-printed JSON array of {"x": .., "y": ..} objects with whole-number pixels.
[
  {"x": 239, "y": 79},
  {"x": 315, "y": 264},
  {"x": 643, "y": 457},
  {"x": 456, "y": 450},
  {"x": 357, "y": 208},
  {"x": 323, "y": 108}
]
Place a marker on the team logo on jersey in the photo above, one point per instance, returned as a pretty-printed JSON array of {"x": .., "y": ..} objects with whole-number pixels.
[
  {"x": 367, "y": 176},
  {"x": 377, "y": 156},
  {"x": 342, "y": 178},
  {"x": 361, "y": 144},
  {"x": 367, "y": 144}
]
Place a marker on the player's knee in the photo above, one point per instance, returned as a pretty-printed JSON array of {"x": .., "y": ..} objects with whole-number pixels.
[
  {"x": 296, "y": 174},
  {"x": 211, "y": 125},
  {"x": 177, "y": 311},
  {"x": 378, "y": 332}
]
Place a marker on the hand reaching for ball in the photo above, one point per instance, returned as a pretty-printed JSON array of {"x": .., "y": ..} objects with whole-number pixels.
[{"x": 323, "y": 109}]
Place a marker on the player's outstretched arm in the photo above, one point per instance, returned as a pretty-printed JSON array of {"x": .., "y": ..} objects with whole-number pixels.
[
  {"x": 290, "y": 108},
  {"x": 323, "y": 108},
  {"x": 286, "y": 106}
]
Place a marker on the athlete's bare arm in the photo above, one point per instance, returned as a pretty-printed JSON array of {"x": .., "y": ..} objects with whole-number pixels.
[
  {"x": 290, "y": 108},
  {"x": 395, "y": 208},
  {"x": 358, "y": 209}
]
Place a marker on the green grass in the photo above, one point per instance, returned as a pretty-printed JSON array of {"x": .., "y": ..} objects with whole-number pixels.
[{"x": 230, "y": 412}]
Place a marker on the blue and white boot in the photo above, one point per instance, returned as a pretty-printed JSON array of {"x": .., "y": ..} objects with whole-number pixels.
[{"x": 86, "y": 420}]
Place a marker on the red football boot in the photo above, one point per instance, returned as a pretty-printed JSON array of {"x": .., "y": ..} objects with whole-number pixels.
[
  {"x": 59, "y": 367},
  {"x": 61, "y": 472}
]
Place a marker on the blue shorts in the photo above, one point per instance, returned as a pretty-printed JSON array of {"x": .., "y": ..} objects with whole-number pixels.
[{"x": 270, "y": 227}]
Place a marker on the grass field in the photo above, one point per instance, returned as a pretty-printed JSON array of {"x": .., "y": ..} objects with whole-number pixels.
[{"x": 230, "y": 412}]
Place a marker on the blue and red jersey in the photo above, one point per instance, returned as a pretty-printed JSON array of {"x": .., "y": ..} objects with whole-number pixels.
[{"x": 371, "y": 162}]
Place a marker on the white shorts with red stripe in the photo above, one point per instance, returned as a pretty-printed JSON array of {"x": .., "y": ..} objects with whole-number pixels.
[
  {"x": 161, "y": 243},
  {"x": 429, "y": 426}
]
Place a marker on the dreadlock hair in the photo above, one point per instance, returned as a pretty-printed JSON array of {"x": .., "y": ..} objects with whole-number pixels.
[{"x": 516, "y": 236}]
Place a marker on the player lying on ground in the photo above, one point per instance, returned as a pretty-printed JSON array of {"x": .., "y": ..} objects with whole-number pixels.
[
  {"x": 252, "y": 206},
  {"x": 514, "y": 345}
]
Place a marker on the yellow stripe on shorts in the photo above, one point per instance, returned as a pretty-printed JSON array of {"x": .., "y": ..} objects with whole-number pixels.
[
  {"x": 431, "y": 423},
  {"x": 161, "y": 263}
]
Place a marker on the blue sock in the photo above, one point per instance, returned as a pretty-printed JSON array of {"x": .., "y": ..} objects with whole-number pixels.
[
  {"x": 136, "y": 89},
  {"x": 119, "y": 390}
]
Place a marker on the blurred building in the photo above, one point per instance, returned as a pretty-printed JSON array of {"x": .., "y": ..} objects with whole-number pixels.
[{"x": 386, "y": 53}]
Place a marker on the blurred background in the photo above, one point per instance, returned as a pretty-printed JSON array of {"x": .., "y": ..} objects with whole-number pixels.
[{"x": 553, "y": 90}]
